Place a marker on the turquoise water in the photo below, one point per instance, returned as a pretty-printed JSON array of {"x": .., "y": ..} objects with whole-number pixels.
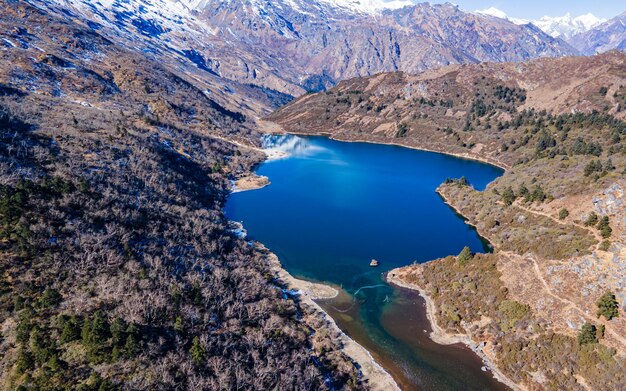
[{"x": 334, "y": 206}]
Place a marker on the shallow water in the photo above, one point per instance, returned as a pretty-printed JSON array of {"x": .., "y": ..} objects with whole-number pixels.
[{"x": 334, "y": 206}]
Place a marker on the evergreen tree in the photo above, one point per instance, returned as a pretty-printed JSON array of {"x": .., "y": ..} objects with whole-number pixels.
[
  {"x": 94, "y": 335},
  {"x": 25, "y": 361},
  {"x": 587, "y": 334},
  {"x": 118, "y": 329},
  {"x": 592, "y": 219},
  {"x": 197, "y": 352},
  {"x": 508, "y": 196},
  {"x": 604, "y": 227},
  {"x": 607, "y": 306},
  {"x": 178, "y": 324},
  {"x": 131, "y": 347},
  {"x": 50, "y": 298},
  {"x": 69, "y": 330}
]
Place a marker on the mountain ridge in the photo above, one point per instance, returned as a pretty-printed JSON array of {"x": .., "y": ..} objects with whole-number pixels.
[
  {"x": 607, "y": 36},
  {"x": 292, "y": 46},
  {"x": 565, "y": 26}
]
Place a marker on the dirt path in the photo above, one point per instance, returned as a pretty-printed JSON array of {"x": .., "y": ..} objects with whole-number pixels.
[
  {"x": 593, "y": 232},
  {"x": 568, "y": 303}
]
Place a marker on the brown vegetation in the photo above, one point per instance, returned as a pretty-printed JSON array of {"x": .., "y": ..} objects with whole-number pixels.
[{"x": 117, "y": 267}]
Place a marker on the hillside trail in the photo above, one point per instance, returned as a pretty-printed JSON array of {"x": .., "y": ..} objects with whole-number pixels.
[
  {"x": 568, "y": 303},
  {"x": 593, "y": 232}
]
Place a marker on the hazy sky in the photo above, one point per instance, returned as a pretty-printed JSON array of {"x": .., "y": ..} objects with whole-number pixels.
[{"x": 533, "y": 9}]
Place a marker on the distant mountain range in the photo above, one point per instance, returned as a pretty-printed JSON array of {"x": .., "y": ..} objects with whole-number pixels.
[
  {"x": 563, "y": 27},
  {"x": 294, "y": 46},
  {"x": 607, "y": 36},
  {"x": 587, "y": 33}
]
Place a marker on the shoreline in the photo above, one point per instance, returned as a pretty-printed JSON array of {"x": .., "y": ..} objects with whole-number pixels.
[
  {"x": 375, "y": 375},
  {"x": 250, "y": 182},
  {"x": 331, "y": 136},
  {"x": 378, "y": 378},
  {"x": 442, "y": 337},
  {"x": 372, "y": 372}
]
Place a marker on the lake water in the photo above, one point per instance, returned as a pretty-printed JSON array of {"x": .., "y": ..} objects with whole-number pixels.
[{"x": 332, "y": 207}]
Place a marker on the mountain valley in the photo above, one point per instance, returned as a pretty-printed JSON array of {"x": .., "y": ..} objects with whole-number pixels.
[{"x": 126, "y": 125}]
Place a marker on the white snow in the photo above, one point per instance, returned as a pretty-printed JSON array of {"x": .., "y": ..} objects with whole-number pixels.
[
  {"x": 567, "y": 26},
  {"x": 495, "y": 12},
  {"x": 559, "y": 27}
]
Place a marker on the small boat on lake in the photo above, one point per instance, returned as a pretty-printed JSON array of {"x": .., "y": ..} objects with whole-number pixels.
[{"x": 374, "y": 263}]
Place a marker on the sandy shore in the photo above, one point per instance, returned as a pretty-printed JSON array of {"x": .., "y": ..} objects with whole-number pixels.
[
  {"x": 443, "y": 337},
  {"x": 250, "y": 182},
  {"x": 378, "y": 379}
]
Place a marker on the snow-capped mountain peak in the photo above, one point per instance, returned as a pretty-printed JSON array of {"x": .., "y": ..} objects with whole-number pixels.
[
  {"x": 495, "y": 12},
  {"x": 567, "y": 26},
  {"x": 368, "y": 6}
]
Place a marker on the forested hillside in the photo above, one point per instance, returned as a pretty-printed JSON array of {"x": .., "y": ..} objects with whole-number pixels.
[{"x": 118, "y": 269}]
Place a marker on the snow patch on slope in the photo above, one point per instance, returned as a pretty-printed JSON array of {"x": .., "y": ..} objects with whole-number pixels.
[{"x": 368, "y": 6}]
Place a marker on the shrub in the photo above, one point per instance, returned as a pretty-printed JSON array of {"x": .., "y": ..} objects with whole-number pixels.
[
  {"x": 508, "y": 196},
  {"x": 50, "y": 298},
  {"x": 592, "y": 219},
  {"x": 563, "y": 213},
  {"x": 593, "y": 167},
  {"x": 607, "y": 306},
  {"x": 402, "y": 130},
  {"x": 605, "y": 245},
  {"x": 604, "y": 227},
  {"x": 587, "y": 334},
  {"x": 465, "y": 256},
  {"x": 512, "y": 311}
]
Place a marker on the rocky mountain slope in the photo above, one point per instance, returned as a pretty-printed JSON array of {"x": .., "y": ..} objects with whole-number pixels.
[
  {"x": 447, "y": 98},
  {"x": 556, "y": 218},
  {"x": 607, "y": 36},
  {"x": 118, "y": 269},
  {"x": 296, "y": 46}
]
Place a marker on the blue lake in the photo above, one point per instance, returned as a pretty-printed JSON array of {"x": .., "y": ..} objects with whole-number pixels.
[{"x": 332, "y": 207}]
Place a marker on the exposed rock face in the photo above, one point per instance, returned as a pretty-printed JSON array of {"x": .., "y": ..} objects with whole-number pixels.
[
  {"x": 607, "y": 36},
  {"x": 293, "y": 46}
]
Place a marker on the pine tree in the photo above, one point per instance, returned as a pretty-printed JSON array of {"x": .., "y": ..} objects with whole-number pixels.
[
  {"x": 179, "y": 325},
  {"x": 50, "y": 298},
  {"x": 592, "y": 219},
  {"x": 607, "y": 306},
  {"x": 604, "y": 227},
  {"x": 24, "y": 361},
  {"x": 508, "y": 196},
  {"x": 131, "y": 347},
  {"x": 587, "y": 334},
  {"x": 197, "y": 352},
  {"x": 69, "y": 330},
  {"x": 118, "y": 328}
]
